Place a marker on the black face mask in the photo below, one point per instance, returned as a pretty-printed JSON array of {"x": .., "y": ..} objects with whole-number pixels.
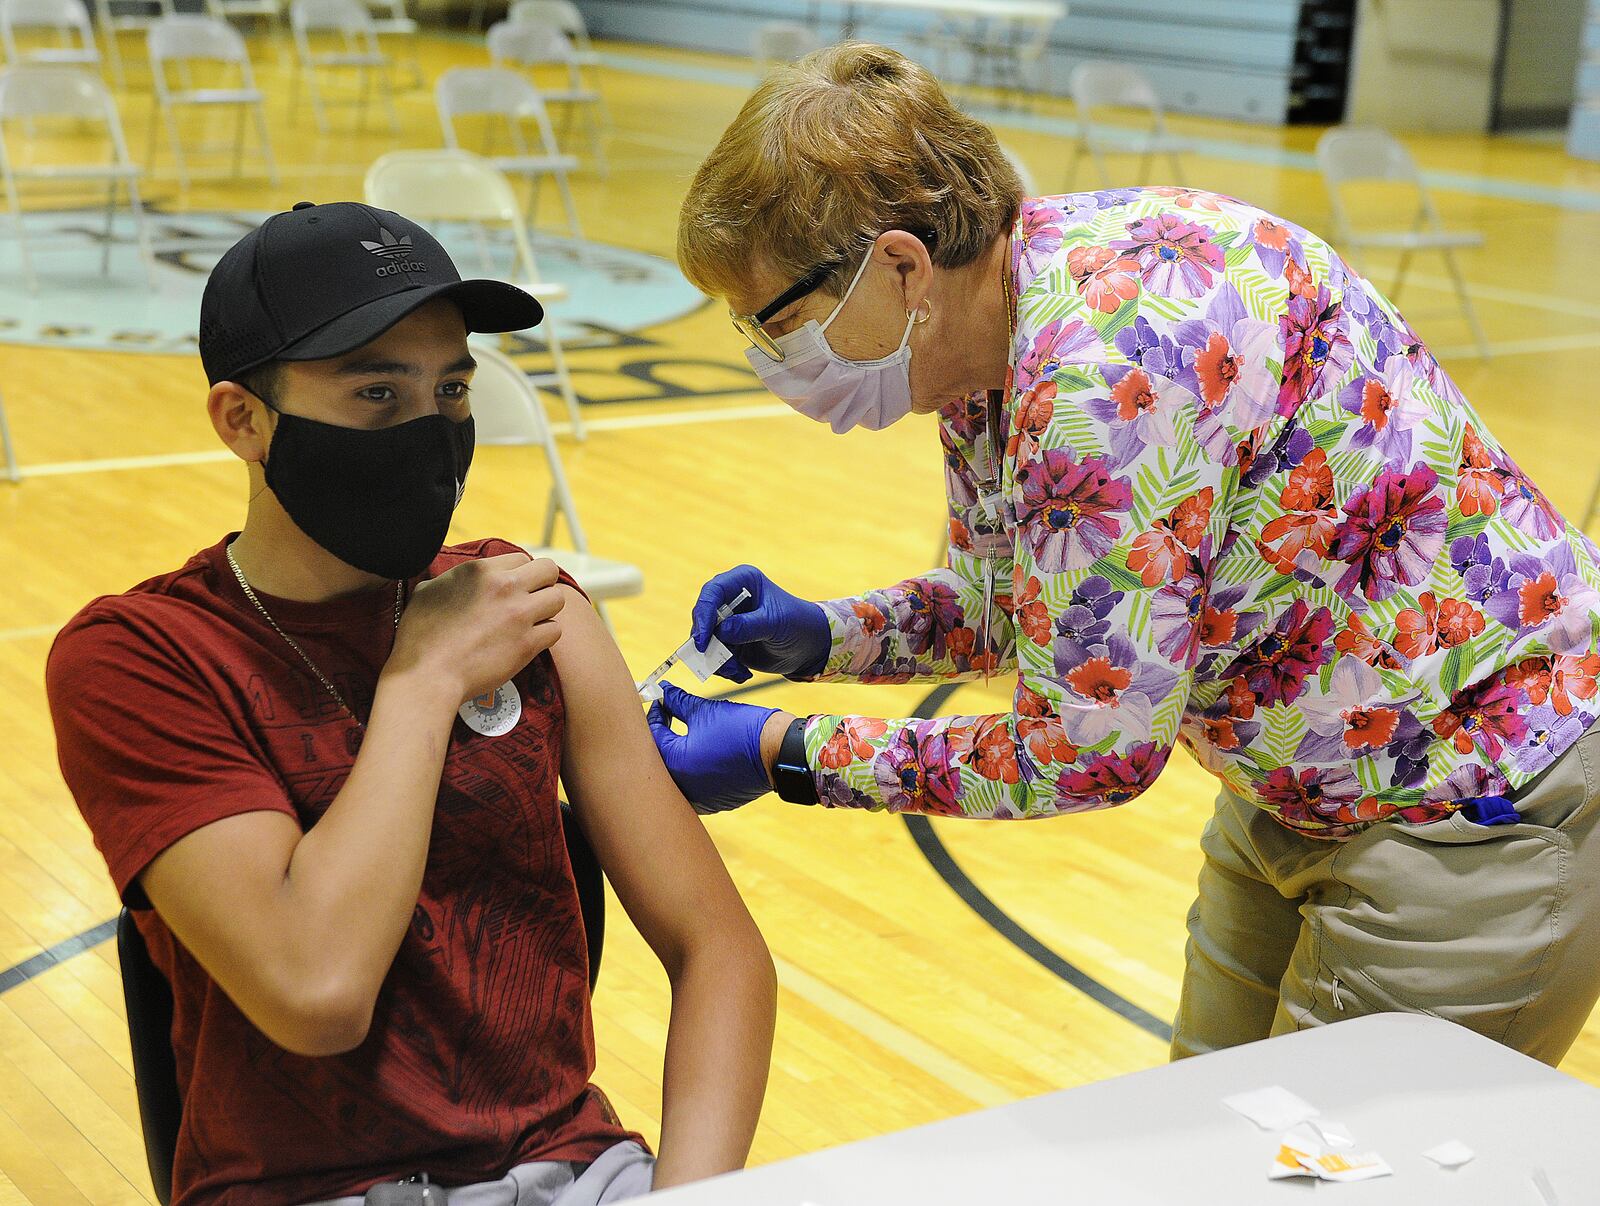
[{"x": 378, "y": 500}]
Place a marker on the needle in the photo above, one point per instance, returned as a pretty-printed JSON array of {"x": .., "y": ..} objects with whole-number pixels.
[{"x": 649, "y": 688}]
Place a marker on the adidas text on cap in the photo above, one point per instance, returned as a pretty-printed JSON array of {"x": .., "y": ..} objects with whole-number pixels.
[{"x": 322, "y": 280}]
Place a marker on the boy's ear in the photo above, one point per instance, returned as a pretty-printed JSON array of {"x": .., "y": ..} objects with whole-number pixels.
[{"x": 240, "y": 420}]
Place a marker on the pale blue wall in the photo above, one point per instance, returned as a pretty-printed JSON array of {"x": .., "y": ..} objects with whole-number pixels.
[
  {"x": 1228, "y": 58},
  {"x": 1583, "y": 138}
]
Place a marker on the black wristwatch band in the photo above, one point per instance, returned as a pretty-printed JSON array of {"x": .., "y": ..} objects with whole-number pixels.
[{"x": 791, "y": 777}]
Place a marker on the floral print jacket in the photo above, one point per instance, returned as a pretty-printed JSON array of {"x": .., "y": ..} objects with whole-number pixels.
[{"x": 1228, "y": 499}]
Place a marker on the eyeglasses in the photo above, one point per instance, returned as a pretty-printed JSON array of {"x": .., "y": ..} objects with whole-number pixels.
[{"x": 750, "y": 325}]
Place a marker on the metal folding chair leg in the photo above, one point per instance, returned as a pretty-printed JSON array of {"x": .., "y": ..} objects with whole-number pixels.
[
  {"x": 596, "y": 127},
  {"x": 564, "y": 381},
  {"x": 114, "y": 53},
  {"x": 316, "y": 98},
  {"x": 1478, "y": 337},
  {"x": 173, "y": 136},
  {"x": 387, "y": 84},
  {"x": 111, "y": 217},
  {"x": 142, "y": 233},
  {"x": 12, "y": 471},
  {"x": 152, "y": 147},
  {"x": 1400, "y": 269},
  {"x": 260, "y": 110},
  {"x": 366, "y": 95},
  {"x": 238, "y": 140},
  {"x": 1100, "y": 165},
  {"x": 571, "y": 206},
  {"x": 28, "y": 274},
  {"x": 1073, "y": 165}
]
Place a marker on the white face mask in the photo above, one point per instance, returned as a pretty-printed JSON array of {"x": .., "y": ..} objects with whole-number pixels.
[{"x": 822, "y": 385}]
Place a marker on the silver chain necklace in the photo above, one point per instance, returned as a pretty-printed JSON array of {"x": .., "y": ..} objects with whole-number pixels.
[{"x": 399, "y": 591}]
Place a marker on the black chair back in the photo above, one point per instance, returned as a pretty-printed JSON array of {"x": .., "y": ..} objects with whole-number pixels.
[
  {"x": 149, "y": 1001},
  {"x": 591, "y": 883},
  {"x": 155, "y": 1075}
]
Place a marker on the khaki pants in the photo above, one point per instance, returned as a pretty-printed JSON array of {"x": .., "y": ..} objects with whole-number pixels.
[{"x": 1496, "y": 928}]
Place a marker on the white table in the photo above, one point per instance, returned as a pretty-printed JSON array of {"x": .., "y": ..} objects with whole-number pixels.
[{"x": 1401, "y": 1083}]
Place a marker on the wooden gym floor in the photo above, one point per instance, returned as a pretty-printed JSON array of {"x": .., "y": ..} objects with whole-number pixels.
[{"x": 901, "y": 1003}]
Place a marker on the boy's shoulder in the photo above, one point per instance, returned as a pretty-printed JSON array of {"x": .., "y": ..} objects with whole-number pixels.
[
  {"x": 162, "y": 604},
  {"x": 453, "y": 555}
]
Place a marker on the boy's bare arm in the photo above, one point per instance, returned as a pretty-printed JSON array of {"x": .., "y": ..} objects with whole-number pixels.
[{"x": 676, "y": 890}]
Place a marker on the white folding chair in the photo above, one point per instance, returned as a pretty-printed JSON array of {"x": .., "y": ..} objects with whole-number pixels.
[
  {"x": 1013, "y": 51},
  {"x": 565, "y": 16},
  {"x": 503, "y": 97},
  {"x": 1118, "y": 85},
  {"x": 60, "y": 20},
  {"x": 122, "y": 16},
  {"x": 13, "y": 472},
  {"x": 458, "y": 186},
  {"x": 265, "y": 13},
  {"x": 777, "y": 42},
  {"x": 348, "y": 26},
  {"x": 1353, "y": 154},
  {"x": 530, "y": 46},
  {"x": 193, "y": 41},
  {"x": 506, "y": 410},
  {"x": 389, "y": 20},
  {"x": 34, "y": 93}
]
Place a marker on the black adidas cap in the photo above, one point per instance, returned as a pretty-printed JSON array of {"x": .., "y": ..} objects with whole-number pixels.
[{"x": 321, "y": 280}]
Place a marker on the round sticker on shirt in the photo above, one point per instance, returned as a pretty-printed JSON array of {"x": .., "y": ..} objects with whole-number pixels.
[{"x": 495, "y": 713}]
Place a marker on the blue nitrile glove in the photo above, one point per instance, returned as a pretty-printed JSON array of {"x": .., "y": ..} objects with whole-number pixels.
[
  {"x": 717, "y": 763},
  {"x": 773, "y": 631}
]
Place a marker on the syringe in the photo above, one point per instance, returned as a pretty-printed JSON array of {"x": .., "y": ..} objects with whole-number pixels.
[{"x": 703, "y": 664}]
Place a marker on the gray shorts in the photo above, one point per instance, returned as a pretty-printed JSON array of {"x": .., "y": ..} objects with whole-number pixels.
[{"x": 620, "y": 1172}]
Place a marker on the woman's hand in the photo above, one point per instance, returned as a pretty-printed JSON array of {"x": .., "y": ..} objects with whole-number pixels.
[
  {"x": 724, "y": 760},
  {"x": 773, "y": 631}
]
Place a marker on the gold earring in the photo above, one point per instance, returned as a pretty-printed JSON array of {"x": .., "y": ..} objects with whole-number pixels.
[{"x": 921, "y": 314}]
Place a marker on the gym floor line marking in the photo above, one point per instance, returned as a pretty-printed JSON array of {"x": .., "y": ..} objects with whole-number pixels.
[
  {"x": 1520, "y": 347},
  {"x": 945, "y": 865},
  {"x": 729, "y": 414},
  {"x": 28, "y": 634},
  {"x": 58, "y": 953},
  {"x": 891, "y": 1036},
  {"x": 1570, "y": 307},
  {"x": 163, "y": 460}
]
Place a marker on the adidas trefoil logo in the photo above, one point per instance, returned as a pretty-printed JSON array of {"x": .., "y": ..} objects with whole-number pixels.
[
  {"x": 390, "y": 247},
  {"x": 396, "y": 251}
]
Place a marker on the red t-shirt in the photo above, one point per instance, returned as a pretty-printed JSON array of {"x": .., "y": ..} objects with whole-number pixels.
[{"x": 176, "y": 705}]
